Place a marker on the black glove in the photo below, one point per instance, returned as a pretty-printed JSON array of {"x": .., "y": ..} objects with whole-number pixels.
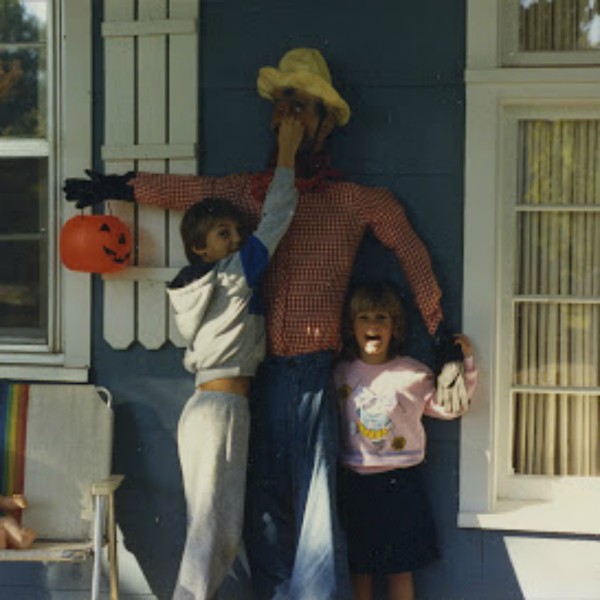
[
  {"x": 446, "y": 350},
  {"x": 98, "y": 188}
]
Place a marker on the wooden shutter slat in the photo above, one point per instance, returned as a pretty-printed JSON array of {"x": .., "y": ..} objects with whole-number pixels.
[
  {"x": 119, "y": 296},
  {"x": 184, "y": 85},
  {"x": 186, "y": 152},
  {"x": 151, "y": 128},
  {"x": 149, "y": 28}
]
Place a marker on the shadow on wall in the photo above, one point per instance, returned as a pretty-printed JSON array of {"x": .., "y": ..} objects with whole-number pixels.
[
  {"x": 474, "y": 563},
  {"x": 150, "y": 504},
  {"x": 149, "y": 390}
]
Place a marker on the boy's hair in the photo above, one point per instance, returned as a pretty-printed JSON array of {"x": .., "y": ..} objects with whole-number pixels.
[
  {"x": 373, "y": 297},
  {"x": 200, "y": 218}
]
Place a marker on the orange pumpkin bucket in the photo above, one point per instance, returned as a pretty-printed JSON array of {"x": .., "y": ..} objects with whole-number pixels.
[{"x": 95, "y": 244}]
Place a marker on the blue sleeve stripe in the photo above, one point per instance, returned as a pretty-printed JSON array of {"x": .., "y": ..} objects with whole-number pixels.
[{"x": 255, "y": 257}]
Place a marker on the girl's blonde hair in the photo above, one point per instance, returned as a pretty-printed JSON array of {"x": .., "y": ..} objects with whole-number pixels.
[{"x": 378, "y": 296}]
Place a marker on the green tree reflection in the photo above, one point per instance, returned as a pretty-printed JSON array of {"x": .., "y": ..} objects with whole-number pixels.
[{"x": 21, "y": 56}]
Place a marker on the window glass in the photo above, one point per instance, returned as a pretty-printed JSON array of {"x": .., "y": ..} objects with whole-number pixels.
[
  {"x": 23, "y": 21},
  {"x": 559, "y": 25},
  {"x": 25, "y": 196},
  {"x": 23, "y": 91},
  {"x": 557, "y": 301},
  {"x": 23, "y": 68},
  {"x": 22, "y": 306},
  {"x": 22, "y": 193}
]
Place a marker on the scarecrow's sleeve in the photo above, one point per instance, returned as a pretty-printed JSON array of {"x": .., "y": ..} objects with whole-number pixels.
[
  {"x": 387, "y": 219},
  {"x": 179, "y": 192}
]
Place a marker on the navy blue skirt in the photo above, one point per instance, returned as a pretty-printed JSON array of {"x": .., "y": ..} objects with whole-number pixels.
[{"x": 388, "y": 521}]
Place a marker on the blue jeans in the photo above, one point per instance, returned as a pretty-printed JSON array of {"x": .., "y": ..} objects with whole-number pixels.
[{"x": 296, "y": 548}]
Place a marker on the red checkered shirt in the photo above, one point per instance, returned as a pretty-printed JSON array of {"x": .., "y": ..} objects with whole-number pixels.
[{"x": 307, "y": 279}]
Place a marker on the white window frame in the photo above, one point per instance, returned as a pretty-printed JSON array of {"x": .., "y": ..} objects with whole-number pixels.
[
  {"x": 490, "y": 496},
  {"x": 68, "y": 356}
]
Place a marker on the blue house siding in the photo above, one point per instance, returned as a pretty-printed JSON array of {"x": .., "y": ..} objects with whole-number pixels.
[{"x": 400, "y": 67}]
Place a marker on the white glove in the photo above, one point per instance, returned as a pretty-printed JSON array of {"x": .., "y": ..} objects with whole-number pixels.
[{"x": 451, "y": 388}]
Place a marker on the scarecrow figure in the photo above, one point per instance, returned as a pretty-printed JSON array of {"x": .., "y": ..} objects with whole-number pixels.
[{"x": 292, "y": 531}]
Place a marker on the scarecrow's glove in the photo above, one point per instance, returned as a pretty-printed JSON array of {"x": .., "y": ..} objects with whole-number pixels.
[
  {"x": 451, "y": 388},
  {"x": 98, "y": 188},
  {"x": 446, "y": 348}
]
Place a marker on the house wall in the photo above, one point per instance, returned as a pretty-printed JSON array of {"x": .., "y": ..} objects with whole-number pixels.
[{"x": 400, "y": 67}]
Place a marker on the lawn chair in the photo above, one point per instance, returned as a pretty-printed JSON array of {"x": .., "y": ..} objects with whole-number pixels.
[{"x": 56, "y": 443}]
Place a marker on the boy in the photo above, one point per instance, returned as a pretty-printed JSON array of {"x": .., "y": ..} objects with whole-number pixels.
[{"x": 217, "y": 312}]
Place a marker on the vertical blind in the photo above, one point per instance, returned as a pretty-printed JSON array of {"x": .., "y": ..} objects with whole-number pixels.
[
  {"x": 556, "y": 393},
  {"x": 559, "y": 25}
]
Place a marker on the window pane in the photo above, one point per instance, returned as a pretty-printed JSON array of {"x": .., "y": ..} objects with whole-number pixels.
[
  {"x": 557, "y": 309},
  {"x": 24, "y": 251},
  {"x": 558, "y": 254},
  {"x": 23, "y": 292},
  {"x": 553, "y": 435},
  {"x": 559, "y": 162},
  {"x": 23, "y": 21},
  {"x": 23, "y": 92},
  {"x": 558, "y": 223},
  {"x": 557, "y": 345},
  {"x": 23, "y": 196},
  {"x": 559, "y": 25}
]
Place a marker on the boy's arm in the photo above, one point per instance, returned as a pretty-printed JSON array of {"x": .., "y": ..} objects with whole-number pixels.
[
  {"x": 289, "y": 136},
  {"x": 282, "y": 195},
  {"x": 279, "y": 207}
]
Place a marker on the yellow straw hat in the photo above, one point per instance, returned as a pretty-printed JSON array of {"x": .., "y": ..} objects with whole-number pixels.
[{"x": 304, "y": 69}]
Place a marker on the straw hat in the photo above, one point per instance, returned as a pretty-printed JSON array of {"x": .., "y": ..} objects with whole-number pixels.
[{"x": 304, "y": 69}]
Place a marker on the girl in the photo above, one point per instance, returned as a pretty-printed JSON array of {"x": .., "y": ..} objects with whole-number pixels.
[{"x": 383, "y": 397}]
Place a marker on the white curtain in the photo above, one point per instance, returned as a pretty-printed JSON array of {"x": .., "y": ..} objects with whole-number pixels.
[
  {"x": 557, "y": 300},
  {"x": 559, "y": 25}
]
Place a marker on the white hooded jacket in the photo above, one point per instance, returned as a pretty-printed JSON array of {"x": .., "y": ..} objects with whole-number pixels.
[{"x": 218, "y": 312}]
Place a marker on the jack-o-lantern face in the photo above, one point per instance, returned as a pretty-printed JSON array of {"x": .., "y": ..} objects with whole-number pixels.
[{"x": 95, "y": 244}]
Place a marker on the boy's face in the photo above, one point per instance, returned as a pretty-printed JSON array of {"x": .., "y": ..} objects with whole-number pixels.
[
  {"x": 223, "y": 238},
  {"x": 373, "y": 332}
]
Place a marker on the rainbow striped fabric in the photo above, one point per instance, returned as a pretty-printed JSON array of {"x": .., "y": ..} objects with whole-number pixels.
[{"x": 14, "y": 404}]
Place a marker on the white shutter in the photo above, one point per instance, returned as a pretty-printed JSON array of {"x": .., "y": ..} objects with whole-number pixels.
[{"x": 151, "y": 124}]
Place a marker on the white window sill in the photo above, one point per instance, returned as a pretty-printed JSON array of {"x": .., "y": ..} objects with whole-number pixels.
[
  {"x": 44, "y": 373},
  {"x": 579, "y": 517}
]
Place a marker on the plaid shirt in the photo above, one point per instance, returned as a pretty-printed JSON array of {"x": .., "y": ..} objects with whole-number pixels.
[{"x": 307, "y": 279}]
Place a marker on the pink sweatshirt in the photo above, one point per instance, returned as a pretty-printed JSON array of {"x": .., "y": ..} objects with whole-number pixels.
[{"x": 381, "y": 410}]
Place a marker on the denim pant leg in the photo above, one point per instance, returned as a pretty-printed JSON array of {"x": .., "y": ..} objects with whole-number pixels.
[
  {"x": 296, "y": 547},
  {"x": 269, "y": 529}
]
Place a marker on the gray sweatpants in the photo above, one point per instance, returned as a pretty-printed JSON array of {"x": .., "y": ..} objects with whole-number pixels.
[{"x": 213, "y": 448}]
